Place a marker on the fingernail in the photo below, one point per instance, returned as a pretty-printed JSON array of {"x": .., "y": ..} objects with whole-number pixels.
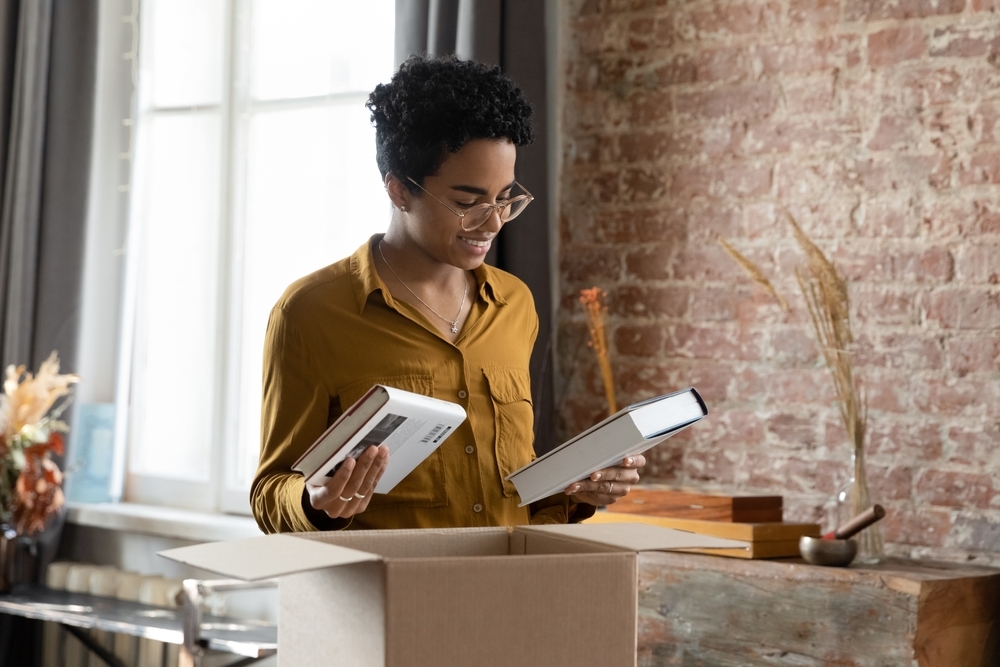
[
  {"x": 628, "y": 461},
  {"x": 597, "y": 476},
  {"x": 573, "y": 489}
]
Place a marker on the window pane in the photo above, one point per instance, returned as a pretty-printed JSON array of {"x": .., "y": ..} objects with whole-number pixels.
[
  {"x": 186, "y": 51},
  {"x": 174, "y": 363},
  {"x": 305, "y": 48},
  {"x": 314, "y": 194}
]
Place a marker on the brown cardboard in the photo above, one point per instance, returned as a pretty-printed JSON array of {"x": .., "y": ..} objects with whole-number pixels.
[{"x": 519, "y": 597}]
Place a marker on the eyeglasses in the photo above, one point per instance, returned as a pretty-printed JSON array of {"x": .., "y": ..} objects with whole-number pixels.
[{"x": 476, "y": 216}]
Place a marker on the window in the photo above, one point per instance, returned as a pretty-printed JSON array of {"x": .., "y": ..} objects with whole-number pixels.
[{"x": 254, "y": 165}]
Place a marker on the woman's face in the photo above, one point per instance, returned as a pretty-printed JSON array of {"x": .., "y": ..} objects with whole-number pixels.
[{"x": 482, "y": 171}]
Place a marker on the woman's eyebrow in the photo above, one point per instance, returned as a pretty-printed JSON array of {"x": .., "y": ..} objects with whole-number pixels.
[{"x": 473, "y": 190}]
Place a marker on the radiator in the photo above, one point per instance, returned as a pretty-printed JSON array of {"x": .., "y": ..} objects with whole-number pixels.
[{"x": 61, "y": 649}]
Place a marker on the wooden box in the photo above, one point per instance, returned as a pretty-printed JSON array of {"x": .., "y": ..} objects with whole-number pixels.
[
  {"x": 767, "y": 540},
  {"x": 703, "y": 611},
  {"x": 691, "y": 504}
]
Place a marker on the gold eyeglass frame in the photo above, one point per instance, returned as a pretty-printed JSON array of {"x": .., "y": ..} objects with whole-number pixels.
[{"x": 495, "y": 208}]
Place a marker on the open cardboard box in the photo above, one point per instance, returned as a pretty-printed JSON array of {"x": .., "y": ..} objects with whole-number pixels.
[{"x": 483, "y": 597}]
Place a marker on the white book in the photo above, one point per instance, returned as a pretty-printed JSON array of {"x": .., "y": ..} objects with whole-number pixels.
[
  {"x": 628, "y": 432},
  {"x": 410, "y": 425}
]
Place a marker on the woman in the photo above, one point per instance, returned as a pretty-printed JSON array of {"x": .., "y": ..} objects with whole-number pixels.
[{"x": 418, "y": 309}]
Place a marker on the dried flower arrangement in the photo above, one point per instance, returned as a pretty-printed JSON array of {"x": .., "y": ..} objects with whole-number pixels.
[
  {"x": 30, "y": 432},
  {"x": 826, "y": 297},
  {"x": 592, "y": 300}
]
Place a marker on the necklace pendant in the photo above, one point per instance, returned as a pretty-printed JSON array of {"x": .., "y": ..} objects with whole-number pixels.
[{"x": 454, "y": 327}]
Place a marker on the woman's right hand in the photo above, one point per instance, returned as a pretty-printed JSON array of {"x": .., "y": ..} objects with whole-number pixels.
[{"x": 350, "y": 489}]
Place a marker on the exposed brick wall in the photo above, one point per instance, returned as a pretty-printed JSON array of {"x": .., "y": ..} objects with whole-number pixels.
[{"x": 876, "y": 123}]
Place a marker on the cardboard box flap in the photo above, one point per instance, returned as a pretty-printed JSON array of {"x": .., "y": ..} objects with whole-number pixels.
[
  {"x": 265, "y": 557},
  {"x": 638, "y": 537}
]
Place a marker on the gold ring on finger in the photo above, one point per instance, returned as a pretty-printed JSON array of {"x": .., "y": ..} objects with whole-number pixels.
[
  {"x": 359, "y": 496},
  {"x": 611, "y": 486},
  {"x": 346, "y": 500}
]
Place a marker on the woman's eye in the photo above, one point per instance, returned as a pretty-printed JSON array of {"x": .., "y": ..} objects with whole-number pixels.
[{"x": 464, "y": 204}]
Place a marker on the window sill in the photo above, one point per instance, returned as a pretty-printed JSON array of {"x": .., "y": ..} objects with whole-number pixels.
[{"x": 162, "y": 521}]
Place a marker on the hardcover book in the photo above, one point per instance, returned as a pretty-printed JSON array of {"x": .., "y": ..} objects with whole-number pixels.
[
  {"x": 410, "y": 425},
  {"x": 630, "y": 431}
]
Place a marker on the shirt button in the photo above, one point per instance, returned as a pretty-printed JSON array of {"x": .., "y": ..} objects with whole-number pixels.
[
  {"x": 469, "y": 449},
  {"x": 477, "y": 508},
  {"x": 462, "y": 393}
]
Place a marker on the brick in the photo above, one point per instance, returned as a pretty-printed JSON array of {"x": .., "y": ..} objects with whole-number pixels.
[
  {"x": 986, "y": 5},
  {"x": 702, "y": 262},
  {"x": 785, "y": 136},
  {"x": 961, "y": 42},
  {"x": 649, "y": 263},
  {"x": 651, "y": 33},
  {"x": 641, "y": 185},
  {"x": 814, "y": 12},
  {"x": 639, "y": 340},
  {"x": 648, "y": 108},
  {"x": 729, "y": 63},
  {"x": 895, "y": 45},
  {"x": 718, "y": 466},
  {"x": 900, "y": 350},
  {"x": 975, "y": 446},
  {"x": 887, "y": 392},
  {"x": 973, "y": 354},
  {"x": 932, "y": 85},
  {"x": 949, "y": 397},
  {"x": 793, "y": 429},
  {"x": 891, "y": 216},
  {"x": 591, "y": 264},
  {"x": 978, "y": 533},
  {"x": 980, "y": 264},
  {"x": 925, "y": 527},
  {"x": 955, "y": 489},
  {"x": 964, "y": 309},
  {"x": 644, "y": 224},
  {"x": 737, "y": 19},
  {"x": 785, "y": 475},
  {"x": 743, "y": 179},
  {"x": 713, "y": 342},
  {"x": 889, "y": 482},
  {"x": 715, "y": 304},
  {"x": 886, "y": 306},
  {"x": 810, "y": 94},
  {"x": 895, "y": 132},
  {"x": 904, "y": 441},
  {"x": 819, "y": 55},
  {"x": 794, "y": 347},
  {"x": 754, "y": 100},
  {"x": 877, "y": 10},
  {"x": 983, "y": 168},
  {"x": 641, "y": 378},
  {"x": 649, "y": 301},
  {"x": 784, "y": 386}
]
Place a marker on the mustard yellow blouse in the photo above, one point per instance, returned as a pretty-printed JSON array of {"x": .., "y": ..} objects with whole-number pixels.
[{"x": 336, "y": 332}]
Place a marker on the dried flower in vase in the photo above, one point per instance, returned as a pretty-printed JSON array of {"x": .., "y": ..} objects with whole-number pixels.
[
  {"x": 826, "y": 297},
  {"x": 593, "y": 302},
  {"x": 30, "y": 432}
]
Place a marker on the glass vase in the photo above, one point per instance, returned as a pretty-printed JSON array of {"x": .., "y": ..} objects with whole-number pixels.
[{"x": 852, "y": 500}]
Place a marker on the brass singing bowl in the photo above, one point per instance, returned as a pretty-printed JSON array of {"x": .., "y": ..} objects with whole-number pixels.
[{"x": 836, "y": 553}]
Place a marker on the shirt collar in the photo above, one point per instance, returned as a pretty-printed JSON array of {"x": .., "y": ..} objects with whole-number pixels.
[{"x": 366, "y": 279}]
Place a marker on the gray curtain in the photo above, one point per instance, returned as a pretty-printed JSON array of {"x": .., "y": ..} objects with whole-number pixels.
[
  {"x": 47, "y": 76},
  {"x": 509, "y": 33}
]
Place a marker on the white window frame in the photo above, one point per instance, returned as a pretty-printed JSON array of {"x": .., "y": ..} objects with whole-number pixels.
[{"x": 219, "y": 493}]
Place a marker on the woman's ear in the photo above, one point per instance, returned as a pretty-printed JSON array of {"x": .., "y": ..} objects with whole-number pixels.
[{"x": 399, "y": 195}]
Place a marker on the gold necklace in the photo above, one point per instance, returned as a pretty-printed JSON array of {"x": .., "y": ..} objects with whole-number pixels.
[{"x": 465, "y": 294}]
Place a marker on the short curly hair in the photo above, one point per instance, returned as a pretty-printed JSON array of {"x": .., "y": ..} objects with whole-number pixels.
[{"x": 434, "y": 104}]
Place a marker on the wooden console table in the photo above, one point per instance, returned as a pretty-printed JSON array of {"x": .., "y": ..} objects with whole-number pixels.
[{"x": 705, "y": 611}]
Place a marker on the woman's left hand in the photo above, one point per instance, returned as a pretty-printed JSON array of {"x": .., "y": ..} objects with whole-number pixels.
[{"x": 606, "y": 486}]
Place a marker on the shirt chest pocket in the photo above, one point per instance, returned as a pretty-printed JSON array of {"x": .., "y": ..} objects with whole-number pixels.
[
  {"x": 424, "y": 487},
  {"x": 510, "y": 390}
]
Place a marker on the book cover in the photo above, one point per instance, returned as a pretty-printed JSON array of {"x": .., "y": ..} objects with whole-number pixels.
[
  {"x": 410, "y": 425},
  {"x": 630, "y": 431}
]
